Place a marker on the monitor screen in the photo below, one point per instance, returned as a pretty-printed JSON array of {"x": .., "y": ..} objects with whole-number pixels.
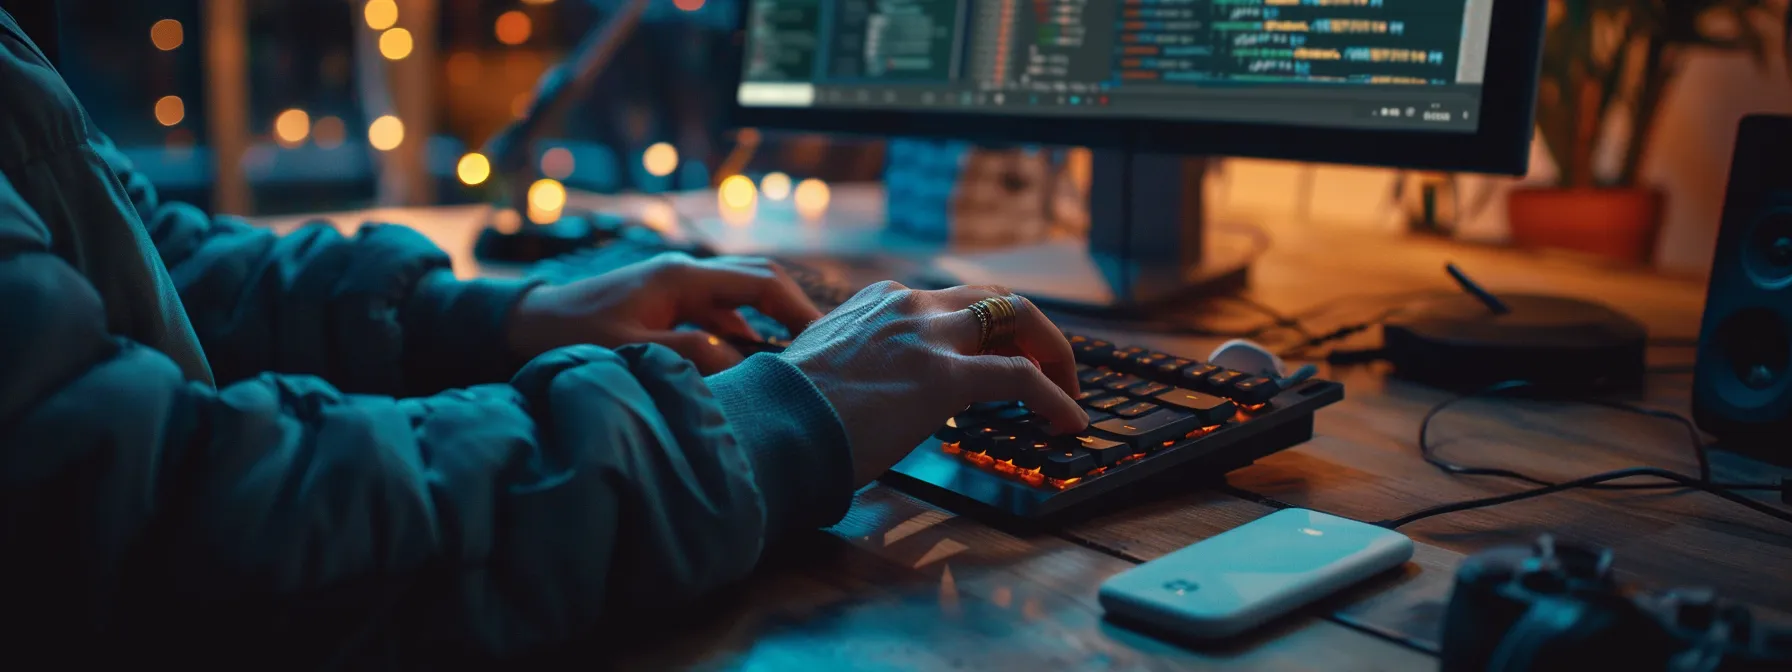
[{"x": 1407, "y": 65}]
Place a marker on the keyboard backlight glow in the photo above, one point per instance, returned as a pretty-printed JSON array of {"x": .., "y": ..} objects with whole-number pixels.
[
  {"x": 951, "y": 448},
  {"x": 1007, "y": 467},
  {"x": 979, "y": 459},
  {"x": 1064, "y": 483}
]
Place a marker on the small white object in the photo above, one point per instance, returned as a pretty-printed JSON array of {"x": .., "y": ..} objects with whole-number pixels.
[
  {"x": 1247, "y": 576},
  {"x": 1247, "y": 356}
]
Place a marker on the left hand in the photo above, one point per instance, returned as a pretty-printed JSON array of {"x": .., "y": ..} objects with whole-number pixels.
[{"x": 647, "y": 301}]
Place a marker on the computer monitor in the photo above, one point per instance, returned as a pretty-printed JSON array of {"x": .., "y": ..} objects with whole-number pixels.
[{"x": 1425, "y": 84}]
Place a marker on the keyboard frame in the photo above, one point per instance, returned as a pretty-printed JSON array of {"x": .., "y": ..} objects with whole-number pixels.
[{"x": 953, "y": 483}]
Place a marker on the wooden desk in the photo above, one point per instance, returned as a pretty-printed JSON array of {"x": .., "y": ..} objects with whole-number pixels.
[{"x": 901, "y": 584}]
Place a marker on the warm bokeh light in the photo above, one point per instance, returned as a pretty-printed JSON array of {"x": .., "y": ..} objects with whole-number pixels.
[
  {"x": 660, "y": 159},
  {"x": 170, "y": 110},
  {"x": 167, "y": 34},
  {"x": 291, "y": 127},
  {"x": 547, "y": 195},
  {"x": 538, "y": 2},
  {"x": 660, "y": 216},
  {"x": 463, "y": 68},
  {"x": 557, "y": 163},
  {"x": 380, "y": 14},
  {"x": 775, "y": 186},
  {"x": 519, "y": 106},
  {"x": 473, "y": 169},
  {"x": 395, "y": 44},
  {"x": 688, "y": 5},
  {"x": 812, "y": 197},
  {"x": 386, "y": 133},
  {"x": 737, "y": 192},
  {"x": 513, "y": 28},
  {"x": 507, "y": 221},
  {"x": 329, "y": 132}
]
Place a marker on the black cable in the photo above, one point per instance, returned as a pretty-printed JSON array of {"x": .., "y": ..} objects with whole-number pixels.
[
  {"x": 1594, "y": 481},
  {"x": 1277, "y": 318},
  {"x": 1341, "y": 333},
  {"x": 1692, "y": 430}
]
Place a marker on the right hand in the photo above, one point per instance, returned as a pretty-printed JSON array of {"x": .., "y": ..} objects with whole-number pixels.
[{"x": 896, "y": 363}]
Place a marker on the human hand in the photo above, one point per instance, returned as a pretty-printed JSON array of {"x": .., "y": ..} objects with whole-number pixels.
[
  {"x": 645, "y": 302},
  {"x": 896, "y": 363}
]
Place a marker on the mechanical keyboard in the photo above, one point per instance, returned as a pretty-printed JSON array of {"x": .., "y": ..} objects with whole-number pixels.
[{"x": 1150, "y": 413}]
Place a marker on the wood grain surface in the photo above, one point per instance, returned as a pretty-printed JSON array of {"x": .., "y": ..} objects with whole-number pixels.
[{"x": 901, "y": 584}]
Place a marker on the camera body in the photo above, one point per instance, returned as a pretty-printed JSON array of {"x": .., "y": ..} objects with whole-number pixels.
[{"x": 1559, "y": 607}]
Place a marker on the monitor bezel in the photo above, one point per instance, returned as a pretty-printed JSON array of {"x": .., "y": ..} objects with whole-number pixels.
[{"x": 1501, "y": 143}]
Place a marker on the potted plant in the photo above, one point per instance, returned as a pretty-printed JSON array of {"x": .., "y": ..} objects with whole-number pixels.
[{"x": 1606, "y": 60}]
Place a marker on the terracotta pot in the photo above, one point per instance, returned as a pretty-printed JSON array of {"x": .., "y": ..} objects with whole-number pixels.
[{"x": 1616, "y": 224}]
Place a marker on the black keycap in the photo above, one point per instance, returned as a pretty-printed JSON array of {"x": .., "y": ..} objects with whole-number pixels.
[
  {"x": 1150, "y": 388},
  {"x": 1135, "y": 409},
  {"x": 1032, "y": 455},
  {"x": 1211, "y": 410},
  {"x": 1196, "y": 374},
  {"x": 1121, "y": 382},
  {"x": 949, "y": 434},
  {"x": 1254, "y": 391},
  {"x": 1028, "y": 428},
  {"x": 1094, "y": 352},
  {"x": 1170, "y": 370},
  {"x": 1149, "y": 431},
  {"x": 1012, "y": 413},
  {"x": 1107, "y": 453},
  {"x": 1004, "y": 447},
  {"x": 1146, "y": 364},
  {"x": 977, "y": 440},
  {"x": 1094, "y": 377},
  {"x": 1106, "y": 403},
  {"x": 1221, "y": 382},
  {"x": 1090, "y": 394},
  {"x": 1123, "y": 358},
  {"x": 1068, "y": 464},
  {"x": 1098, "y": 416},
  {"x": 970, "y": 421}
]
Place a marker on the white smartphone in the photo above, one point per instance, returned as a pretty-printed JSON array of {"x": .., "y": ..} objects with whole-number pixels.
[{"x": 1253, "y": 573}]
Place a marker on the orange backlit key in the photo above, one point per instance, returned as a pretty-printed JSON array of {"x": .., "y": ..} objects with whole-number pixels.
[{"x": 1149, "y": 431}]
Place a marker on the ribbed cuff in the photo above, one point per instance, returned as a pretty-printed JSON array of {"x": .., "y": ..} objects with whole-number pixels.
[
  {"x": 794, "y": 440},
  {"x": 456, "y": 332}
]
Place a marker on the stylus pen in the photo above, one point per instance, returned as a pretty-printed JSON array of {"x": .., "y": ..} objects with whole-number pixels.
[{"x": 1493, "y": 302}]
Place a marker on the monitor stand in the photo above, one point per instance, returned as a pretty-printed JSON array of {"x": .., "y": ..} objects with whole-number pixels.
[{"x": 1150, "y": 245}]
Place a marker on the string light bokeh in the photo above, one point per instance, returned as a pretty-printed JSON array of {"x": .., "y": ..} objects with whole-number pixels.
[{"x": 323, "y": 118}]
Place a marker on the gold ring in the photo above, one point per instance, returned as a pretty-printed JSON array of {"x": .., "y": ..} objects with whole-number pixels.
[{"x": 995, "y": 323}]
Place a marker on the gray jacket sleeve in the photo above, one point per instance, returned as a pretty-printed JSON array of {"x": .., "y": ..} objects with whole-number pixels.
[
  {"x": 283, "y": 517},
  {"x": 379, "y": 312}
]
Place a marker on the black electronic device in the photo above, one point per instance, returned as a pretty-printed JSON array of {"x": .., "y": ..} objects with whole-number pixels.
[
  {"x": 1433, "y": 84},
  {"x": 1742, "y": 380},
  {"x": 1550, "y": 606},
  {"x": 1477, "y": 338},
  {"x": 1458, "y": 342},
  {"x": 1151, "y": 412}
]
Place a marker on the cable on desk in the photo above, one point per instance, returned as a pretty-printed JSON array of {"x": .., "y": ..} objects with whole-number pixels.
[
  {"x": 1698, "y": 445},
  {"x": 1594, "y": 481}
]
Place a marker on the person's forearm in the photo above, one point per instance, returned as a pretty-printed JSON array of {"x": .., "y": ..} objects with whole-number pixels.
[{"x": 800, "y": 458}]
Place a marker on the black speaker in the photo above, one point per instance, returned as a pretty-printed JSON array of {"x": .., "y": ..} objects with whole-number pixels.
[{"x": 1742, "y": 382}]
